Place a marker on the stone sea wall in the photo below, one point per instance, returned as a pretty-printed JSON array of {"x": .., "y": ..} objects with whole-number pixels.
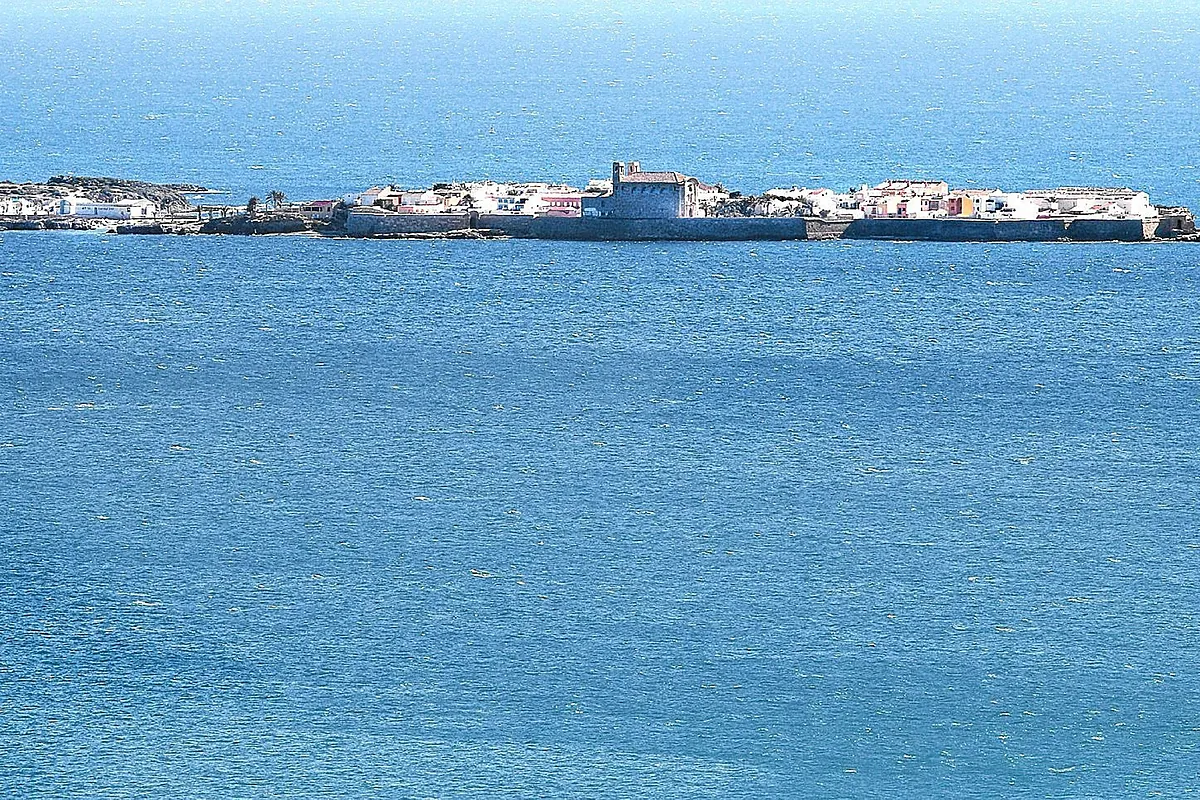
[
  {"x": 373, "y": 222},
  {"x": 718, "y": 229},
  {"x": 1108, "y": 230},
  {"x": 368, "y": 223},
  {"x": 1175, "y": 222},
  {"x": 981, "y": 230}
]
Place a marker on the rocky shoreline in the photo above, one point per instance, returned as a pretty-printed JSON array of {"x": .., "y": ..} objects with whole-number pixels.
[
  {"x": 50, "y": 224},
  {"x": 283, "y": 225},
  {"x": 264, "y": 225}
]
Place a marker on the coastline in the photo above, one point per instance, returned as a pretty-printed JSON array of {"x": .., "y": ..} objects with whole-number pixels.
[
  {"x": 635, "y": 206},
  {"x": 909, "y": 234}
]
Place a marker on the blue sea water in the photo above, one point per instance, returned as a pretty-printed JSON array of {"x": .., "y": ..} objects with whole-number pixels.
[{"x": 299, "y": 517}]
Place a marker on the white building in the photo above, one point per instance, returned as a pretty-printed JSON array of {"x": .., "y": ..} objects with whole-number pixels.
[
  {"x": 904, "y": 198},
  {"x": 489, "y": 197},
  {"x": 709, "y": 197},
  {"x": 405, "y": 201},
  {"x": 907, "y": 188},
  {"x": 1100, "y": 201},
  {"x": 369, "y": 197},
  {"x": 321, "y": 210},
  {"x": 1015, "y": 205},
  {"x": 94, "y": 209},
  {"x": 553, "y": 199},
  {"x": 823, "y": 202},
  {"x": 422, "y": 201},
  {"x": 511, "y": 203},
  {"x": 17, "y": 206}
]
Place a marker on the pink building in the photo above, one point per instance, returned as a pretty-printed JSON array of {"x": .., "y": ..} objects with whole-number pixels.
[{"x": 561, "y": 205}]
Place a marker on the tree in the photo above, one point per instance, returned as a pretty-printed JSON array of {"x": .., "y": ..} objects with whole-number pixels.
[
  {"x": 277, "y": 199},
  {"x": 251, "y": 206}
]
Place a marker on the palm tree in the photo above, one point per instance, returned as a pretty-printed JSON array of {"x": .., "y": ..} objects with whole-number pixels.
[
  {"x": 277, "y": 199},
  {"x": 251, "y": 206}
]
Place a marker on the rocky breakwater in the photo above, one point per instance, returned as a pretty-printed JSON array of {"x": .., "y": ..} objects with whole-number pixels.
[
  {"x": 158, "y": 227},
  {"x": 52, "y": 224}
]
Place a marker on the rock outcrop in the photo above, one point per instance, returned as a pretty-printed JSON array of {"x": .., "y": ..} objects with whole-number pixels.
[
  {"x": 168, "y": 198},
  {"x": 243, "y": 225}
]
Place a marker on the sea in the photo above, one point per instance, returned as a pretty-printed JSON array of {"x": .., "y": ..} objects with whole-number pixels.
[{"x": 293, "y": 517}]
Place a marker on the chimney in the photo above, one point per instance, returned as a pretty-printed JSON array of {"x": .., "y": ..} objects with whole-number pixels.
[{"x": 618, "y": 172}]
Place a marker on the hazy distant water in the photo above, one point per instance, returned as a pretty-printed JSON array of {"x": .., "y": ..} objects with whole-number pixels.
[
  {"x": 331, "y": 97},
  {"x": 296, "y": 517}
]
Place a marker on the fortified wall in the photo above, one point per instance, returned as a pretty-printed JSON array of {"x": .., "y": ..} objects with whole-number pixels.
[
  {"x": 1175, "y": 221},
  {"x": 601, "y": 229},
  {"x": 1016, "y": 230},
  {"x": 372, "y": 221}
]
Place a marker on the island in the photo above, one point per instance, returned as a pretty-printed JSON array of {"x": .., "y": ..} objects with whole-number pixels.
[{"x": 631, "y": 204}]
